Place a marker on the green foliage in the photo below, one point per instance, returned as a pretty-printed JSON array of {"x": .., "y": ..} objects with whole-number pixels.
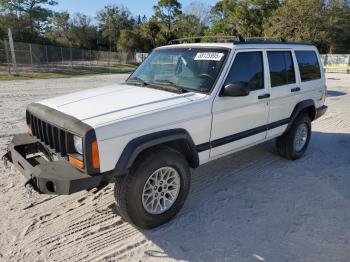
[
  {"x": 76, "y": 31},
  {"x": 338, "y": 26},
  {"x": 245, "y": 17},
  {"x": 324, "y": 23},
  {"x": 132, "y": 41},
  {"x": 59, "y": 28},
  {"x": 33, "y": 11},
  {"x": 188, "y": 26},
  {"x": 167, "y": 12},
  {"x": 112, "y": 19},
  {"x": 152, "y": 29},
  {"x": 305, "y": 21}
]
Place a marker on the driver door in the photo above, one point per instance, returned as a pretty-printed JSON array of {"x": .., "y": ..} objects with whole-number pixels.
[{"x": 241, "y": 121}]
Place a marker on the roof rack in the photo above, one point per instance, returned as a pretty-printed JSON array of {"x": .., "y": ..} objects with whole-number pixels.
[
  {"x": 198, "y": 39},
  {"x": 234, "y": 39},
  {"x": 265, "y": 39}
]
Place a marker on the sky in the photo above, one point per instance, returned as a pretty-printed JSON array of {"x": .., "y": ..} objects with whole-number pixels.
[{"x": 136, "y": 7}]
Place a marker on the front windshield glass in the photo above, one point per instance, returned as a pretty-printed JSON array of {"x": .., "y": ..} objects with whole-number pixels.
[{"x": 192, "y": 69}]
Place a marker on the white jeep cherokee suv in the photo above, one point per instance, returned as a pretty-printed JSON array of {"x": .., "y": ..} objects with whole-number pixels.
[{"x": 185, "y": 105}]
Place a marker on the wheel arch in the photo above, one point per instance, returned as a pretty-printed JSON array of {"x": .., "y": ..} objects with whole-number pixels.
[
  {"x": 178, "y": 139},
  {"x": 305, "y": 106}
]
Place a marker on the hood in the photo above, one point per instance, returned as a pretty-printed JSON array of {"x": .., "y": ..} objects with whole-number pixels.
[{"x": 100, "y": 105}]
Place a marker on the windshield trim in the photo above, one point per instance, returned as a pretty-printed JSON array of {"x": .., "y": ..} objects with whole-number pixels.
[{"x": 210, "y": 90}]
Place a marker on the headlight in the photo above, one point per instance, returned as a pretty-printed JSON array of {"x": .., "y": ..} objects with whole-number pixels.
[{"x": 78, "y": 144}]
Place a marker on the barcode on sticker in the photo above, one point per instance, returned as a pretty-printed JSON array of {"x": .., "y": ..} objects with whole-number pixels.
[{"x": 213, "y": 56}]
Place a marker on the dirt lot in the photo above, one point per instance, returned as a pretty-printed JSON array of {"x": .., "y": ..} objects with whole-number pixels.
[{"x": 250, "y": 206}]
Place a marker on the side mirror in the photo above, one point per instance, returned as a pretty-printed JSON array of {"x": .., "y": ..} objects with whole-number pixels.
[{"x": 236, "y": 89}]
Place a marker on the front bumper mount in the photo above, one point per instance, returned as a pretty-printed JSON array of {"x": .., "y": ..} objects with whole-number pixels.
[{"x": 48, "y": 176}]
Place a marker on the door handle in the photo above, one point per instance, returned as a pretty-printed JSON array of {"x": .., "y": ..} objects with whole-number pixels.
[
  {"x": 264, "y": 96},
  {"x": 296, "y": 89}
]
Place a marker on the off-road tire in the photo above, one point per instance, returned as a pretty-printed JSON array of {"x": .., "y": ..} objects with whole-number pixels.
[
  {"x": 128, "y": 189},
  {"x": 285, "y": 143}
]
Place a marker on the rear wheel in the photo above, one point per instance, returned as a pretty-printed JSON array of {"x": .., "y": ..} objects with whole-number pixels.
[
  {"x": 293, "y": 144},
  {"x": 155, "y": 189}
]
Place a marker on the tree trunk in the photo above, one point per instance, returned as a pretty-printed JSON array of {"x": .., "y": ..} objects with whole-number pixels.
[{"x": 31, "y": 23}]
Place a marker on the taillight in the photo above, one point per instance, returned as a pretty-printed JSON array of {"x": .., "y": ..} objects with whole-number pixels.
[{"x": 325, "y": 93}]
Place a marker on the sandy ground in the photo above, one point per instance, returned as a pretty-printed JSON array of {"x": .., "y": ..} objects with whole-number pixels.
[{"x": 250, "y": 206}]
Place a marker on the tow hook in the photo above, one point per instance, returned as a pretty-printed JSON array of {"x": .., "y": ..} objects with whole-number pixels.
[{"x": 29, "y": 185}]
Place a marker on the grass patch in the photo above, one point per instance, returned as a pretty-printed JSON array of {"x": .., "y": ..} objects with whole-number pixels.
[{"x": 66, "y": 73}]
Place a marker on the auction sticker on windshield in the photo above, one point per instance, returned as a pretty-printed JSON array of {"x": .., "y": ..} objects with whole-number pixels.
[{"x": 213, "y": 56}]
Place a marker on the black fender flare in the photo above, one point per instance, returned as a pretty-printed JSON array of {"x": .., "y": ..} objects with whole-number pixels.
[
  {"x": 299, "y": 108},
  {"x": 139, "y": 144}
]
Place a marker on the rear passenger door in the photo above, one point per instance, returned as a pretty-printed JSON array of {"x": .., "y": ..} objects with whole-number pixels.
[{"x": 284, "y": 89}]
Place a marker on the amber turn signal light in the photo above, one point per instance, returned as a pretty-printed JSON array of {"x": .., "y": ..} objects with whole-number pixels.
[
  {"x": 30, "y": 132},
  {"x": 76, "y": 162},
  {"x": 95, "y": 155}
]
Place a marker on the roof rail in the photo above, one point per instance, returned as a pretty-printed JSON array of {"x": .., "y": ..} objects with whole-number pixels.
[
  {"x": 198, "y": 39},
  {"x": 235, "y": 39},
  {"x": 264, "y": 38}
]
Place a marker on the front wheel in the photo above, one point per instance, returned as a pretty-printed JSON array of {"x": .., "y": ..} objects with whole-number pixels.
[
  {"x": 293, "y": 144},
  {"x": 155, "y": 189}
]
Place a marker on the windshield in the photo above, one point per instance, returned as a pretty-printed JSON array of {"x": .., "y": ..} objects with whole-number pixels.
[{"x": 191, "y": 69}]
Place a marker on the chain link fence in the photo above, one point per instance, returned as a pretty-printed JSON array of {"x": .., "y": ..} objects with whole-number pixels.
[
  {"x": 334, "y": 63},
  {"x": 44, "y": 58}
]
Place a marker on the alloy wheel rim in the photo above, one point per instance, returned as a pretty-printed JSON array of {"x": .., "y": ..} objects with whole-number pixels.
[
  {"x": 300, "y": 137},
  {"x": 161, "y": 190}
]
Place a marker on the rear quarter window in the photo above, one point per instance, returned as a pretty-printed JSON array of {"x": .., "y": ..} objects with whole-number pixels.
[{"x": 308, "y": 65}]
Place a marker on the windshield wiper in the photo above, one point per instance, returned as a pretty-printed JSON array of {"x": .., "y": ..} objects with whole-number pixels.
[
  {"x": 164, "y": 81},
  {"x": 138, "y": 80},
  {"x": 158, "y": 84},
  {"x": 167, "y": 84}
]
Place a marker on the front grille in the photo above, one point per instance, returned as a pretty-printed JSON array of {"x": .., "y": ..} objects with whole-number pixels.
[{"x": 52, "y": 136}]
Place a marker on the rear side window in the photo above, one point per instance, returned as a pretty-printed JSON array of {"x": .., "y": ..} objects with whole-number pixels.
[
  {"x": 281, "y": 68},
  {"x": 247, "y": 67},
  {"x": 308, "y": 65}
]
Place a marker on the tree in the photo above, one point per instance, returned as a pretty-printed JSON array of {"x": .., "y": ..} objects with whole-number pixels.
[
  {"x": 77, "y": 31},
  {"x": 200, "y": 10},
  {"x": 112, "y": 19},
  {"x": 167, "y": 11},
  {"x": 26, "y": 18},
  {"x": 188, "y": 26},
  {"x": 34, "y": 9},
  {"x": 220, "y": 18},
  {"x": 338, "y": 26},
  {"x": 244, "y": 17},
  {"x": 59, "y": 28},
  {"x": 128, "y": 40},
  {"x": 139, "y": 21},
  {"x": 152, "y": 29},
  {"x": 324, "y": 23},
  {"x": 84, "y": 33},
  {"x": 299, "y": 20}
]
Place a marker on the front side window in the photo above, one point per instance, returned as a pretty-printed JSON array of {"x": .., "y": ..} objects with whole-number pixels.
[
  {"x": 308, "y": 65},
  {"x": 247, "y": 67},
  {"x": 281, "y": 68},
  {"x": 192, "y": 69}
]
